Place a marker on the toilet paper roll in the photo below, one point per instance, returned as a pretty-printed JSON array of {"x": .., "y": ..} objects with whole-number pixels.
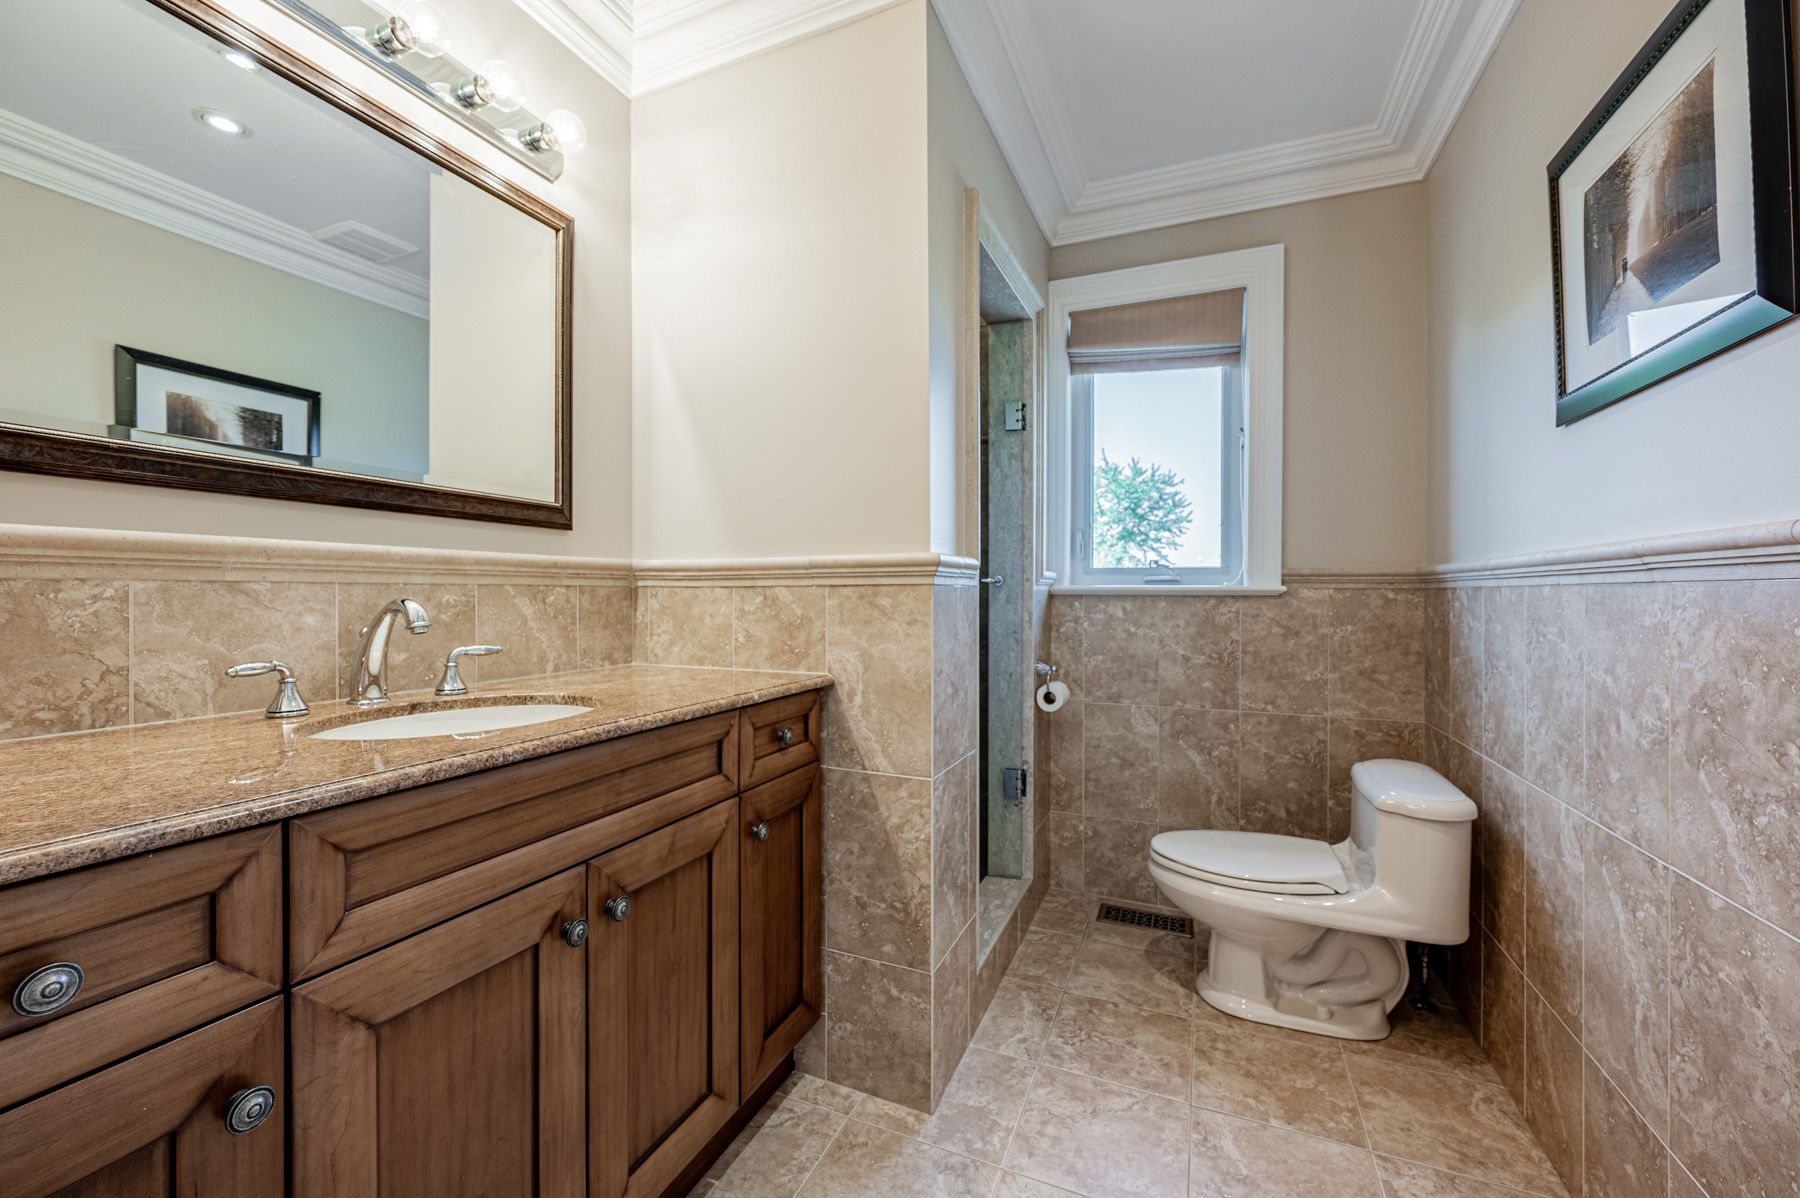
[{"x": 1052, "y": 696}]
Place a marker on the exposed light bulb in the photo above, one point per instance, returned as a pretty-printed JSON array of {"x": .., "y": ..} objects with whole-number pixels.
[
  {"x": 241, "y": 60},
  {"x": 506, "y": 87},
  {"x": 430, "y": 30},
  {"x": 220, "y": 122},
  {"x": 562, "y": 130}
]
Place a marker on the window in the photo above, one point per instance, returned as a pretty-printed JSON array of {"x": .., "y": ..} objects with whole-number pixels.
[{"x": 1165, "y": 441}]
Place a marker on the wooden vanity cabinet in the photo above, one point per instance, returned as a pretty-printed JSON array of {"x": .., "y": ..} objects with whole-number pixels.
[{"x": 782, "y": 979}]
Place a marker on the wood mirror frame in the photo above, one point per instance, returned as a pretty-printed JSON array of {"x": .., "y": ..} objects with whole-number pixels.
[{"x": 72, "y": 455}]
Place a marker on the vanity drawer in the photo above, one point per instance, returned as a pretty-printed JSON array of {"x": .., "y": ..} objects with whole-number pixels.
[
  {"x": 363, "y": 876},
  {"x": 164, "y": 942},
  {"x": 776, "y": 737}
]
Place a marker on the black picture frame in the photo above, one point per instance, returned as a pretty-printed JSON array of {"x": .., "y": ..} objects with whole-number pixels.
[
  {"x": 127, "y": 360},
  {"x": 1772, "y": 188}
]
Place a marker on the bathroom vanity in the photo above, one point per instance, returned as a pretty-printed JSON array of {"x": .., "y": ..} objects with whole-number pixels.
[{"x": 558, "y": 960}]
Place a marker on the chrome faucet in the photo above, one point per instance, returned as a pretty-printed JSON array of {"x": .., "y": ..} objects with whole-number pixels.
[{"x": 371, "y": 666}]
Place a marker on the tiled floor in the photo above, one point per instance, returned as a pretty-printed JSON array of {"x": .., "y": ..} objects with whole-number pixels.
[{"x": 1099, "y": 1072}]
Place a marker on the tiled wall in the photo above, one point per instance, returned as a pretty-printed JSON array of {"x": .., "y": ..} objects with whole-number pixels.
[
  {"x": 85, "y": 653},
  {"x": 1200, "y": 712},
  {"x": 1636, "y": 974}
]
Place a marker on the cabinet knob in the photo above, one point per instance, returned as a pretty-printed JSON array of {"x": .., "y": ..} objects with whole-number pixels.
[
  {"x": 247, "y": 1110},
  {"x": 619, "y": 908},
  {"x": 48, "y": 990},
  {"x": 785, "y": 736},
  {"x": 761, "y": 831},
  {"x": 574, "y": 933}
]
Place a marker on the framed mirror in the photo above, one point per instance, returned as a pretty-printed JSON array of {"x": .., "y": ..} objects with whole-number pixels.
[{"x": 225, "y": 269}]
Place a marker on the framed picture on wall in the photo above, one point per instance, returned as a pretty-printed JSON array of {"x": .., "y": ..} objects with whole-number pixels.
[
  {"x": 166, "y": 401},
  {"x": 1672, "y": 207}
]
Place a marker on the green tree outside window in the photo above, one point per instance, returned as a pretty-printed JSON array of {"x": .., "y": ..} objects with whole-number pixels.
[{"x": 1140, "y": 514}]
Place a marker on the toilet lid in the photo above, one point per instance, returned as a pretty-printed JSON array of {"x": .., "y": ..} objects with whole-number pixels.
[{"x": 1253, "y": 861}]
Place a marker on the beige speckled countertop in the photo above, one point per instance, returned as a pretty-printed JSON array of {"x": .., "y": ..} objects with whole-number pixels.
[{"x": 73, "y": 800}]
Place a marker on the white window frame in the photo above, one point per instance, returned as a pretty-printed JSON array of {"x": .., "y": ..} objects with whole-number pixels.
[{"x": 1260, "y": 273}]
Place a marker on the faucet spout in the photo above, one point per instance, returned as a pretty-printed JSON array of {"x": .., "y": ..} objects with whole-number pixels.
[{"x": 371, "y": 667}]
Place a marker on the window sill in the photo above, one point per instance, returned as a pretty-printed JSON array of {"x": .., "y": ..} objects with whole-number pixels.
[{"x": 1153, "y": 589}]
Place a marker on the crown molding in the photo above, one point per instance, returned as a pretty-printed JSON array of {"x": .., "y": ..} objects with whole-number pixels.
[
  {"x": 677, "y": 42},
  {"x": 41, "y": 155},
  {"x": 600, "y": 32},
  {"x": 1446, "y": 48}
]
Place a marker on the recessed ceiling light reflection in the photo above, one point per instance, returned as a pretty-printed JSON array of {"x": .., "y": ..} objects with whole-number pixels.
[
  {"x": 241, "y": 60},
  {"x": 220, "y": 122}
]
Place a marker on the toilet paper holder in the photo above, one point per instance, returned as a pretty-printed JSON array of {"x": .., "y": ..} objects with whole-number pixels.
[{"x": 1046, "y": 671}]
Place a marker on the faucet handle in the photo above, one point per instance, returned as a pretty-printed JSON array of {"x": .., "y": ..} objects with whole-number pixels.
[
  {"x": 451, "y": 683},
  {"x": 287, "y": 704}
]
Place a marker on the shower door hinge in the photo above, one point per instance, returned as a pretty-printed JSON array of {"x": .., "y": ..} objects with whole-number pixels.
[
  {"x": 1015, "y": 417},
  {"x": 1012, "y": 784}
]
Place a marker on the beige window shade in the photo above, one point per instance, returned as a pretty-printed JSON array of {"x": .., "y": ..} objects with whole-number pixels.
[{"x": 1180, "y": 333}]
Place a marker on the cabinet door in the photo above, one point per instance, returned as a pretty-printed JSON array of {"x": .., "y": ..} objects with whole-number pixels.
[
  {"x": 663, "y": 1001},
  {"x": 154, "y": 1126},
  {"x": 783, "y": 986},
  {"x": 451, "y": 1063}
]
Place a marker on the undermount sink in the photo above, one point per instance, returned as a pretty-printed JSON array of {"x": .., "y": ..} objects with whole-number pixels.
[{"x": 452, "y": 721}]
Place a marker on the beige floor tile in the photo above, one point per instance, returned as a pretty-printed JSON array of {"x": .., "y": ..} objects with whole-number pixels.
[
  {"x": 1018, "y": 1020},
  {"x": 1012, "y": 1185},
  {"x": 977, "y": 1114},
  {"x": 1044, "y": 957},
  {"x": 775, "y": 1151},
  {"x": 1436, "y": 1119},
  {"x": 1135, "y": 977},
  {"x": 1305, "y": 1087},
  {"x": 1439, "y": 1042},
  {"x": 1240, "y": 1158},
  {"x": 1101, "y": 1140},
  {"x": 1409, "y": 1179},
  {"x": 820, "y": 1092},
  {"x": 870, "y": 1162},
  {"x": 1145, "y": 1050},
  {"x": 1144, "y": 938},
  {"x": 1065, "y": 911},
  {"x": 1206, "y": 1015}
]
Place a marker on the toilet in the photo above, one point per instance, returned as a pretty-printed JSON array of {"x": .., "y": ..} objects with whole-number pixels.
[{"x": 1310, "y": 935}]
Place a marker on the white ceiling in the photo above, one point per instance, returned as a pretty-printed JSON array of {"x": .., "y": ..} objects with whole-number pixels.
[{"x": 1121, "y": 115}]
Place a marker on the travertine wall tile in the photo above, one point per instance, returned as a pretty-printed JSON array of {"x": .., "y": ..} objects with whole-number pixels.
[
  {"x": 1624, "y": 1159},
  {"x": 414, "y": 662},
  {"x": 879, "y": 651},
  {"x": 1627, "y": 747},
  {"x": 1067, "y": 867},
  {"x": 1504, "y": 682},
  {"x": 1197, "y": 768},
  {"x": 1287, "y": 652},
  {"x": 1735, "y": 767},
  {"x": 1115, "y": 857},
  {"x": 955, "y": 673},
  {"x": 1503, "y": 862},
  {"x": 1555, "y": 691},
  {"x": 1377, "y": 654},
  {"x": 1625, "y": 1006},
  {"x": 1503, "y": 1000},
  {"x": 1734, "y": 1043},
  {"x": 535, "y": 623},
  {"x": 952, "y": 983},
  {"x": 64, "y": 656},
  {"x": 878, "y": 867},
  {"x": 1119, "y": 761},
  {"x": 1554, "y": 888},
  {"x": 1121, "y": 647},
  {"x": 1464, "y": 656},
  {"x": 1553, "y": 1063},
  {"x": 778, "y": 628},
  {"x": 683, "y": 626},
  {"x": 185, "y": 635},
  {"x": 1060, "y": 758},
  {"x": 954, "y": 851},
  {"x": 604, "y": 631},
  {"x": 1199, "y": 662},
  {"x": 879, "y": 1040},
  {"x": 1284, "y": 771}
]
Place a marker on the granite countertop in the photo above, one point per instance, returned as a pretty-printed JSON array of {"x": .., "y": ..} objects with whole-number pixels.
[{"x": 84, "y": 797}]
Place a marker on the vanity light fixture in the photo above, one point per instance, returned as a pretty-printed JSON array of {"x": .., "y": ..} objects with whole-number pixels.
[
  {"x": 416, "y": 27},
  {"x": 562, "y": 130},
  {"x": 241, "y": 60},
  {"x": 498, "y": 84},
  {"x": 220, "y": 122}
]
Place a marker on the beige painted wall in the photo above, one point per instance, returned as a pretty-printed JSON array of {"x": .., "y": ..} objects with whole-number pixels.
[
  {"x": 595, "y": 190},
  {"x": 779, "y": 231},
  {"x": 1354, "y": 434},
  {"x": 963, "y": 154},
  {"x": 1709, "y": 448}
]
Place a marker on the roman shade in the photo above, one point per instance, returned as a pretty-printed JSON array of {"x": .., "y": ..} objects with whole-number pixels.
[{"x": 1183, "y": 332}]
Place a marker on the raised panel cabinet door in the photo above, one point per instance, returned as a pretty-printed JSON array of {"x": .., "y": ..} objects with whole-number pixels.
[
  {"x": 158, "y": 1125},
  {"x": 451, "y": 1064},
  {"x": 165, "y": 942},
  {"x": 662, "y": 988},
  {"x": 783, "y": 985}
]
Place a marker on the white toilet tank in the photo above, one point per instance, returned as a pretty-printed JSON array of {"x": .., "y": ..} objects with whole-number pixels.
[{"x": 1412, "y": 828}]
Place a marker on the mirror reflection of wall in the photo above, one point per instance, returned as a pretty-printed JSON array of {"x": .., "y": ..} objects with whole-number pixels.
[{"x": 160, "y": 192}]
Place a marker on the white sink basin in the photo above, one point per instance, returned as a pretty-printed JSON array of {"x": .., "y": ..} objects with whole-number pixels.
[{"x": 452, "y": 721}]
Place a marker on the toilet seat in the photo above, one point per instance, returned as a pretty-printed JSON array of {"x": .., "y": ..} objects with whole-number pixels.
[{"x": 1252, "y": 861}]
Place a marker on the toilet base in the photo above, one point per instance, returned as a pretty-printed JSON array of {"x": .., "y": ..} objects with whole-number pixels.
[{"x": 1237, "y": 981}]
